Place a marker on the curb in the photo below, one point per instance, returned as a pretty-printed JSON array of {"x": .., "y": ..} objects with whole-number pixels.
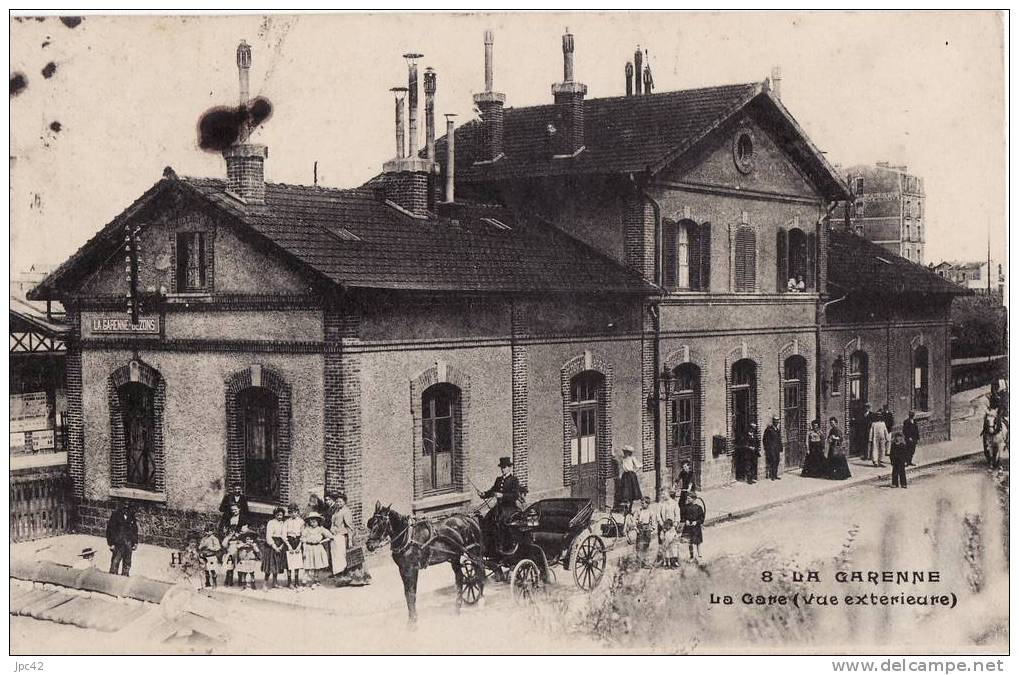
[{"x": 744, "y": 513}]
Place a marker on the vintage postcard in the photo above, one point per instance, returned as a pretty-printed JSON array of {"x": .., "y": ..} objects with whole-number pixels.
[{"x": 509, "y": 333}]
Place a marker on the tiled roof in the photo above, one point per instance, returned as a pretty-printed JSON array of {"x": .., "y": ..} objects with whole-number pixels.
[
  {"x": 354, "y": 239},
  {"x": 856, "y": 265},
  {"x": 630, "y": 134}
]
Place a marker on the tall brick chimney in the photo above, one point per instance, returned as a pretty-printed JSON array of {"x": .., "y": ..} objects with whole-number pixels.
[
  {"x": 430, "y": 85},
  {"x": 490, "y": 104},
  {"x": 245, "y": 162},
  {"x": 406, "y": 175},
  {"x": 638, "y": 68},
  {"x": 569, "y": 99}
]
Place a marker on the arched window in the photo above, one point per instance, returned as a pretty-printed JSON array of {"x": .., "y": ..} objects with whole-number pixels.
[
  {"x": 921, "y": 375},
  {"x": 745, "y": 261},
  {"x": 137, "y": 409},
  {"x": 441, "y": 429},
  {"x": 259, "y": 413},
  {"x": 684, "y": 416},
  {"x": 585, "y": 410},
  {"x": 794, "y": 408},
  {"x": 838, "y": 371},
  {"x": 743, "y": 391},
  {"x": 687, "y": 255}
]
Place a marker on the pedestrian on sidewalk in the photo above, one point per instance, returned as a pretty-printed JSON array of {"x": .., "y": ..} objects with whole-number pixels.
[
  {"x": 693, "y": 525},
  {"x": 192, "y": 566},
  {"x": 629, "y": 485},
  {"x": 878, "y": 440},
  {"x": 685, "y": 482},
  {"x": 248, "y": 556},
  {"x": 814, "y": 464},
  {"x": 314, "y": 538},
  {"x": 122, "y": 538},
  {"x": 888, "y": 415},
  {"x": 868, "y": 420},
  {"x": 211, "y": 549},
  {"x": 231, "y": 528},
  {"x": 898, "y": 455},
  {"x": 292, "y": 528},
  {"x": 838, "y": 465},
  {"x": 235, "y": 497},
  {"x": 911, "y": 431},
  {"x": 274, "y": 558},
  {"x": 669, "y": 519},
  {"x": 773, "y": 448}
]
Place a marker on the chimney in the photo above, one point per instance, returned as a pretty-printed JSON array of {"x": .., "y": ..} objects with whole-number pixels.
[
  {"x": 649, "y": 82},
  {"x": 629, "y": 79},
  {"x": 245, "y": 162},
  {"x": 569, "y": 99},
  {"x": 406, "y": 175},
  {"x": 412, "y": 103},
  {"x": 430, "y": 85},
  {"x": 776, "y": 82},
  {"x": 450, "y": 158},
  {"x": 490, "y": 104},
  {"x": 398, "y": 95},
  {"x": 638, "y": 68}
]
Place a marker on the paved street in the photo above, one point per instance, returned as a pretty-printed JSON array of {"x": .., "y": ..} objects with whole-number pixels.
[{"x": 920, "y": 528}]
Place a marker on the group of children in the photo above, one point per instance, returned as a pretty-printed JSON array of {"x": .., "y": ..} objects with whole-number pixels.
[
  {"x": 289, "y": 543},
  {"x": 676, "y": 521}
]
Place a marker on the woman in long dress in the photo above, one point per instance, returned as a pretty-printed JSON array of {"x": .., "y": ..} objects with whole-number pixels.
[
  {"x": 629, "y": 485},
  {"x": 838, "y": 466},
  {"x": 814, "y": 464},
  {"x": 341, "y": 525}
]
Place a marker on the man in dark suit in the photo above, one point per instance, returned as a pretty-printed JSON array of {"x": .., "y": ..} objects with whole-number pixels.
[
  {"x": 888, "y": 415},
  {"x": 751, "y": 454},
  {"x": 911, "y": 431},
  {"x": 506, "y": 491},
  {"x": 122, "y": 538},
  {"x": 773, "y": 448}
]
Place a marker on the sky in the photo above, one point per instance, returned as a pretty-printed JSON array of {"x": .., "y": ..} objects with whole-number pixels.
[{"x": 124, "y": 95}]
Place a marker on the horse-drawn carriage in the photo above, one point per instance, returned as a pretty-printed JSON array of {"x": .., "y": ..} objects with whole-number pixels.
[
  {"x": 547, "y": 533},
  {"x": 531, "y": 543}
]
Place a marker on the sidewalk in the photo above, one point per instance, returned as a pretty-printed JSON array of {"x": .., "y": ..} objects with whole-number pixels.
[{"x": 739, "y": 499}]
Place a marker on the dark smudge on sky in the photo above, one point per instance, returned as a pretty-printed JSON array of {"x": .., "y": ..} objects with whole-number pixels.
[
  {"x": 18, "y": 83},
  {"x": 219, "y": 128}
]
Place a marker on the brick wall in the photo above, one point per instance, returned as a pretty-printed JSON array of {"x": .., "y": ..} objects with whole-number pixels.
[
  {"x": 74, "y": 424},
  {"x": 245, "y": 173},
  {"x": 639, "y": 229},
  {"x": 519, "y": 375},
  {"x": 157, "y": 524},
  {"x": 571, "y": 109},
  {"x": 343, "y": 468},
  {"x": 491, "y": 128},
  {"x": 409, "y": 189}
]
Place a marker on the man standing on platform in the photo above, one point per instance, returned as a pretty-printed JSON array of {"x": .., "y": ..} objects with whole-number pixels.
[
  {"x": 911, "y": 431},
  {"x": 773, "y": 448},
  {"x": 122, "y": 538}
]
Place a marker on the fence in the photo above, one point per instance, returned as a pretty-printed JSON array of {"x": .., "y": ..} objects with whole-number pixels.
[{"x": 41, "y": 504}]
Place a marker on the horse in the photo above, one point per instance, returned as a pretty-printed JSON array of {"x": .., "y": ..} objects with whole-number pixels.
[
  {"x": 416, "y": 545},
  {"x": 995, "y": 436}
]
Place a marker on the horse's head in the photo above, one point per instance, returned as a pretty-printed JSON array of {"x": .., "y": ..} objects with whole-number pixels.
[{"x": 380, "y": 526}]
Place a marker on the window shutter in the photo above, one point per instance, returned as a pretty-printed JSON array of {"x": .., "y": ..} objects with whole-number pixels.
[
  {"x": 669, "y": 277},
  {"x": 812, "y": 261},
  {"x": 751, "y": 266},
  {"x": 781, "y": 261},
  {"x": 693, "y": 249},
  {"x": 704, "y": 239}
]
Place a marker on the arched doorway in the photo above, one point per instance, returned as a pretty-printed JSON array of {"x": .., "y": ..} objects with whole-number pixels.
[
  {"x": 587, "y": 415},
  {"x": 857, "y": 389},
  {"x": 794, "y": 409},
  {"x": 684, "y": 421}
]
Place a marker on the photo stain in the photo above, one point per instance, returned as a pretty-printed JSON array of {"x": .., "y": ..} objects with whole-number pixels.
[
  {"x": 71, "y": 21},
  {"x": 220, "y": 127},
  {"x": 48, "y": 71},
  {"x": 55, "y": 127},
  {"x": 18, "y": 83},
  {"x": 46, "y": 43}
]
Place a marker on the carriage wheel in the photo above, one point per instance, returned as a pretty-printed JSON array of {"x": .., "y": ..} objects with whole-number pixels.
[
  {"x": 589, "y": 563},
  {"x": 473, "y": 579},
  {"x": 525, "y": 581}
]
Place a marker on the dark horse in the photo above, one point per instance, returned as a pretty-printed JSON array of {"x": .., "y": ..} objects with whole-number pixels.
[{"x": 416, "y": 545}]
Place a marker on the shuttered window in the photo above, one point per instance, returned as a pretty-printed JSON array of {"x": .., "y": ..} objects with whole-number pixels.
[
  {"x": 687, "y": 255},
  {"x": 746, "y": 260}
]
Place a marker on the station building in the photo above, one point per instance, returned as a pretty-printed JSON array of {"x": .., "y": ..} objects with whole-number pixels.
[{"x": 561, "y": 281}]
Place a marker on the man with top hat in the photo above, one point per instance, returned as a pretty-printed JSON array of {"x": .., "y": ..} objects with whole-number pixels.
[
  {"x": 773, "y": 448},
  {"x": 506, "y": 490}
]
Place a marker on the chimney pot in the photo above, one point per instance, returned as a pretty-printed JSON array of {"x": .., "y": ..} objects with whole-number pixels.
[
  {"x": 490, "y": 103},
  {"x": 430, "y": 87},
  {"x": 412, "y": 103},
  {"x": 398, "y": 96},
  {"x": 638, "y": 69},
  {"x": 450, "y": 158},
  {"x": 629, "y": 79}
]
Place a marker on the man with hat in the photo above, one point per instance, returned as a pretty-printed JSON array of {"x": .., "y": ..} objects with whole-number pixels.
[
  {"x": 773, "y": 448},
  {"x": 122, "y": 538},
  {"x": 506, "y": 491},
  {"x": 751, "y": 452}
]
